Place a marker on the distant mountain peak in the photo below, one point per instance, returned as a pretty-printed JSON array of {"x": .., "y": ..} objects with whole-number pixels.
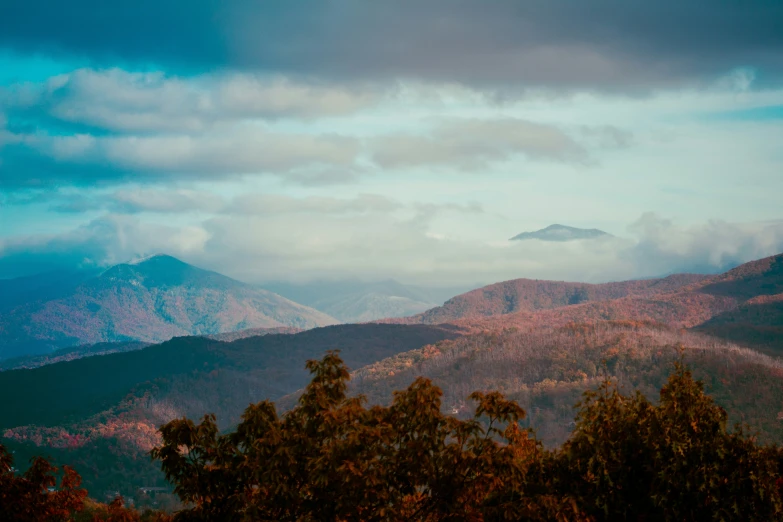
[
  {"x": 558, "y": 232},
  {"x": 144, "y": 259},
  {"x": 149, "y": 300}
]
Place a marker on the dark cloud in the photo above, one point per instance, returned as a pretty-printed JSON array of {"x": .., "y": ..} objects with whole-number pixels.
[{"x": 615, "y": 44}]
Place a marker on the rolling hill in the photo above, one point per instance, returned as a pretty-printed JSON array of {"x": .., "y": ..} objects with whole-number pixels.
[
  {"x": 741, "y": 305},
  {"x": 151, "y": 301},
  {"x": 542, "y": 343},
  {"x": 529, "y": 295},
  {"x": 547, "y": 369},
  {"x": 101, "y": 413}
]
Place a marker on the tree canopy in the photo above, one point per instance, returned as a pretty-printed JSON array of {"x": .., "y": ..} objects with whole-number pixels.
[{"x": 332, "y": 458}]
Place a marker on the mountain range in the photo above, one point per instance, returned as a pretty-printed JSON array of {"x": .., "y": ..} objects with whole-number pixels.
[
  {"x": 532, "y": 295},
  {"x": 150, "y": 301},
  {"x": 542, "y": 343}
]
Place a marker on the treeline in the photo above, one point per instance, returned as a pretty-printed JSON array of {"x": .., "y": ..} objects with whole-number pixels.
[{"x": 333, "y": 458}]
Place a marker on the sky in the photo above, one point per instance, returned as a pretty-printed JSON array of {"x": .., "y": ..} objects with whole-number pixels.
[{"x": 299, "y": 140}]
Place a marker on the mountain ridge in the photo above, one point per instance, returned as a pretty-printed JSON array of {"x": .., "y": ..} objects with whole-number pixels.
[{"x": 150, "y": 301}]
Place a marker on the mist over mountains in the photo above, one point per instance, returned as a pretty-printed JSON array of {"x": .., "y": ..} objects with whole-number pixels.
[{"x": 354, "y": 301}]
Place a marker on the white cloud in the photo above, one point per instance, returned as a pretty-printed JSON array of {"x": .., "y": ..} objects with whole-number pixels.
[
  {"x": 317, "y": 238},
  {"x": 124, "y": 101},
  {"x": 243, "y": 149},
  {"x": 470, "y": 144},
  {"x": 131, "y": 200},
  {"x": 272, "y": 205}
]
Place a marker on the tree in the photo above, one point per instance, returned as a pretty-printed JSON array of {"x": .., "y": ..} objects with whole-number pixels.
[
  {"x": 330, "y": 458},
  {"x": 629, "y": 459},
  {"x": 34, "y": 496}
]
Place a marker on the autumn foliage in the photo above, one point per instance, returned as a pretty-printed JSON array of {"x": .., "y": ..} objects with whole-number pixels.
[
  {"x": 37, "y": 496},
  {"x": 28, "y": 497},
  {"x": 330, "y": 458}
]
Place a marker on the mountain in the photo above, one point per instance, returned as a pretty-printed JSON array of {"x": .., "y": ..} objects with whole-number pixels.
[
  {"x": 540, "y": 342},
  {"x": 149, "y": 301},
  {"x": 547, "y": 352},
  {"x": 358, "y": 301},
  {"x": 101, "y": 413},
  {"x": 742, "y": 305},
  {"x": 532, "y": 295},
  {"x": 41, "y": 287},
  {"x": 561, "y": 233}
]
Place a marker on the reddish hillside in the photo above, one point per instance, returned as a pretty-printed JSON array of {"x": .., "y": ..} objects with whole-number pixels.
[
  {"x": 528, "y": 295},
  {"x": 101, "y": 414},
  {"x": 150, "y": 301},
  {"x": 741, "y": 305},
  {"x": 547, "y": 369}
]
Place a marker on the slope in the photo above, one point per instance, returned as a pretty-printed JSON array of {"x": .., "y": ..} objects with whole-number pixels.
[
  {"x": 151, "y": 301},
  {"x": 101, "y": 413},
  {"x": 528, "y": 295},
  {"x": 547, "y": 369}
]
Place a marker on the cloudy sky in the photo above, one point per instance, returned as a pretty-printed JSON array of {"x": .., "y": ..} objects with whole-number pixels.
[{"x": 298, "y": 140}]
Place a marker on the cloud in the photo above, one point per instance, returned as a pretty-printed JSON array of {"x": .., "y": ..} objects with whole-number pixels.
[
  {"x": 605, "y": 44},
  {"x": 710, "y": 247},
  {"x": 141, "y": 102},
  {"x": 271, "y": 205},
  {"x": 168, "y": 201},
  {"x": 105, "y": 241},
  {"x": 471, "y": 144},
  {"x": 41, "y": 160},
  {"x": 99, "y": 128},
  {"x": 371, "y": 238}
]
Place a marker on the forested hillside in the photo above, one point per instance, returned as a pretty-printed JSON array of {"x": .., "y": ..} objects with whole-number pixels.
[
  {"x": 527, "y": 295},
  {"x": 546, "y": 370},
  {"x": 102, "y": 413}
]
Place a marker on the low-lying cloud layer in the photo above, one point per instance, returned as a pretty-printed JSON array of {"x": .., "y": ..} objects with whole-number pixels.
[{"x": 262, "y": 238}]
